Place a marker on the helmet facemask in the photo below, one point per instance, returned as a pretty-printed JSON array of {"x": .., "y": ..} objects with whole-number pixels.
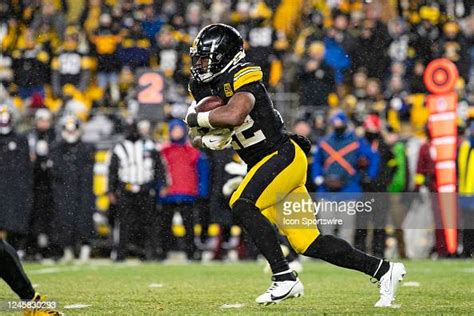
[{"x": 200, "y": 67}]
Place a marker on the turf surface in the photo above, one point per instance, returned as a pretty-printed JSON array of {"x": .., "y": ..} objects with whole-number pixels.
[{"x": 146, "y": 289}]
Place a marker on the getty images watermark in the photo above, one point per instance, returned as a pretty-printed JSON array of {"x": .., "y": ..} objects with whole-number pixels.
[
  {"x": 308, "y": 205},
  {"x": 410, "y": 210},
  {"x": 301, "y": 211}
]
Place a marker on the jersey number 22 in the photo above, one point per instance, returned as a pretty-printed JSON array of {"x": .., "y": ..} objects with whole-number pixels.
[{"x": 253, "y": 137}]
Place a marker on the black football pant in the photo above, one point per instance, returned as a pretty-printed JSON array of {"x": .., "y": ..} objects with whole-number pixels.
[
  {"x": 12, "y": 272},
  {"x": 204, "y": 212},
  {"x": 137, "y": 223},
  {"x": 186, "y": 210},
  {"x": 40, "y": 220}
]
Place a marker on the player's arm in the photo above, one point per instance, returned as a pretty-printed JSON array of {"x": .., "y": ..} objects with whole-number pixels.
[
  {"x": 234, "y": 112},
  {"x": 238, "y": 107},
  {"x": 228, "y": 116}
]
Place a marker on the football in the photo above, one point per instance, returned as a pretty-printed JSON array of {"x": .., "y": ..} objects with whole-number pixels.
[{"x": 209, "y": 103}]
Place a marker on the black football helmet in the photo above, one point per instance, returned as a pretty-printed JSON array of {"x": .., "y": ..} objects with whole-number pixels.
[{"x": 222, "y": 45}]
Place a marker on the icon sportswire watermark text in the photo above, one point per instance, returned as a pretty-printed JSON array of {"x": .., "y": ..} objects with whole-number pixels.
[{"x": 407, "y": 210}]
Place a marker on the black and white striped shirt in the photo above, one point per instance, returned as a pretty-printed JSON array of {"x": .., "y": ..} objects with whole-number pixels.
[{"x": 135, "y": 162}]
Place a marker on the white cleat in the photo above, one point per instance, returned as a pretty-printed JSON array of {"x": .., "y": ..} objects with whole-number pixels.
[
  {"x": 281, "y": 290},
  {"x": 389, "y": 283}
]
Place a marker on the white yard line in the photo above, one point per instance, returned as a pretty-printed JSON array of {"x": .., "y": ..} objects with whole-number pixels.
[
  {"x": 77, "y": 306},
  {"x": 53, "y": 270},
  {"x": 411, "y": 284},
  {"x": 229, "y": 306}
]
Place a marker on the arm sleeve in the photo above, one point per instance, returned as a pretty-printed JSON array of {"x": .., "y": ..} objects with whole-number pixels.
[{"x": 113, "y": 173}]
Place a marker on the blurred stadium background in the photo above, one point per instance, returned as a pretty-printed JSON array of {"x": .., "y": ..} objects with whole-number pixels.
[{"x": 122, "y": 64}]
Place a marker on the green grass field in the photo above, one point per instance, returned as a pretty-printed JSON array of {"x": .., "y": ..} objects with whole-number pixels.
[{"x": 119, "y": 289}]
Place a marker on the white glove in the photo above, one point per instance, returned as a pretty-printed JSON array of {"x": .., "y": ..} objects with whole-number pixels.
[
  {"x": 236, "y": 169},
  {"x": 217, "y": 139},
  {"x": 231, "y": 185}
]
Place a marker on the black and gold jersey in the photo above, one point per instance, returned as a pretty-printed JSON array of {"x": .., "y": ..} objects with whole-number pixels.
[
  {"x": 263, "y": 131},
  {"x": 70, "y": 65}
]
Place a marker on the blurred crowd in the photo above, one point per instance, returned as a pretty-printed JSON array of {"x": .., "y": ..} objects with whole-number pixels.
[{"x": 95, "y": 159}]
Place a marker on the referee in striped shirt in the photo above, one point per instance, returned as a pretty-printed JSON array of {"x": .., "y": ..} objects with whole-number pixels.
[{"x": 135, "y": 168}]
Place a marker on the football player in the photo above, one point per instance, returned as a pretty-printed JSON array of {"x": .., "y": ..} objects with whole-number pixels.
[
  {"x": 13, "y": 274},
  {"x": 70, "y": 65},
  {"x": 276, "y": 162}
]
